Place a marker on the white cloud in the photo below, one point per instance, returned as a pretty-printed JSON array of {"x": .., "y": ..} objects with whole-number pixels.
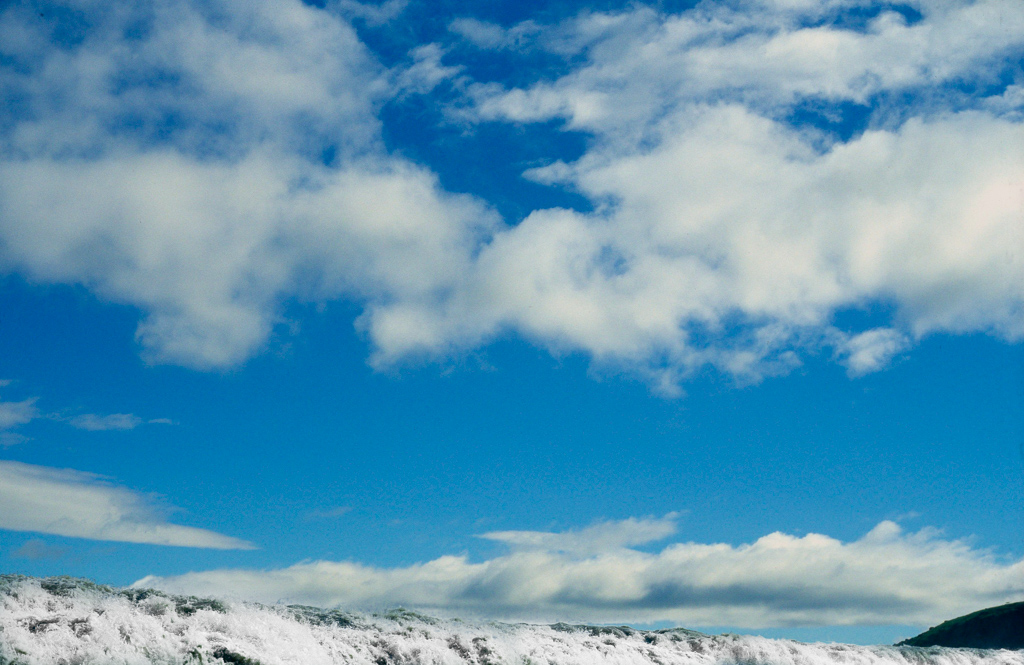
[
  {"x": 871, "y": 350},
  {"x": 13, "y": 414},
  {"x": 885, "y": 577},
  {"x": 480, "y": 33},
  {"x": 732, "y": 243},
  {"x": 64, "y": 502},
  {"x": 426, "y": 70},
  {"x": 600, "y": 537},
  {"x": 640, "y": 63},
  {"x": 485, "y": 35},
  {"x": 373, "y": 14},
  {"x": 229, "y": 158},
  {"x": 113, "y": 421},
  {"x": 724, "y": 235}
]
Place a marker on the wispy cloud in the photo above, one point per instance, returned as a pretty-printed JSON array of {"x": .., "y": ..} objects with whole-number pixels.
[
  {"x": 16, "y": 414},
  {"x": 36, "y": 549},
  {"x": 486, "y": 35},
  {"x": 871, "y": 350},
  {"x": 93, "y": 422},
  {"x": 12, "y": 439},
  {"x": 65, "y": 502},
  {"x": 373, "y": 13},
  {"x": 329, "y": 513},
  {"x": 13, "y": 414},
  {"x": 886, "y": 577},
  {"x": 96, "y": 423},
  {"x": 601, "y": 537}
]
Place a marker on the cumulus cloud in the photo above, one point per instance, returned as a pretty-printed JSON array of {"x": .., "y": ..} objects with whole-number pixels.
[
  {"x": 733, "y": 243},
  {"x": 886, "y": 577},
  {"x": 204, "y": 162},
  {"x": 228, "y": 158},
  {"x": 727, "y": 234},
  {"x": 639, "y": 64},
  {"x": 65, "y": 502}
]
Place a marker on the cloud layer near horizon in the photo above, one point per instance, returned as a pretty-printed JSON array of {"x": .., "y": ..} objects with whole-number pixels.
[
  {"x": 209, "y": 162},
  {"x": 64, "y": 502},
  {"x": 886, "y": 577}
]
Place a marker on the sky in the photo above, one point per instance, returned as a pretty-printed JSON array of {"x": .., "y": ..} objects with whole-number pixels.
[{"x": 702, "y": 314}]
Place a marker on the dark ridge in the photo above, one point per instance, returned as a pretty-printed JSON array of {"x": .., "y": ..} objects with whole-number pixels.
[
  {"x": 993, "y": 628},
  {"x": 233, "y": 658}
]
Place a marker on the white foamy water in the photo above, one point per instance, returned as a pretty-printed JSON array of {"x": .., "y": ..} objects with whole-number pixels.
[{"x": 58, "y": 621}]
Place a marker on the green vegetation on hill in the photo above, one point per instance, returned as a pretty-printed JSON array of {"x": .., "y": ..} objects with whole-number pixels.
[{"x": 993, "y": 628}]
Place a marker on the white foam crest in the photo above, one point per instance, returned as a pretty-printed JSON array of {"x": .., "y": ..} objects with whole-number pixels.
[{"x": 59, "y": 620}]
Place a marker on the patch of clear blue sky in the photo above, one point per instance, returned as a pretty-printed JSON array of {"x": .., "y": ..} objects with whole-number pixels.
[{"x": 508, "y": 438}]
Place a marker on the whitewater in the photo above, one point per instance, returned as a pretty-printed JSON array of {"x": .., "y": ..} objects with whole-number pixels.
[{"x": 63, "y": 621}]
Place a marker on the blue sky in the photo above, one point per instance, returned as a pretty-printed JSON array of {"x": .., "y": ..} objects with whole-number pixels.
[{"x": 661, "y": 314}]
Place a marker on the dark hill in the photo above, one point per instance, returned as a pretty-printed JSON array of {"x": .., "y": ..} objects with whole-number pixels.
[{"x": 994, "y": 628}]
